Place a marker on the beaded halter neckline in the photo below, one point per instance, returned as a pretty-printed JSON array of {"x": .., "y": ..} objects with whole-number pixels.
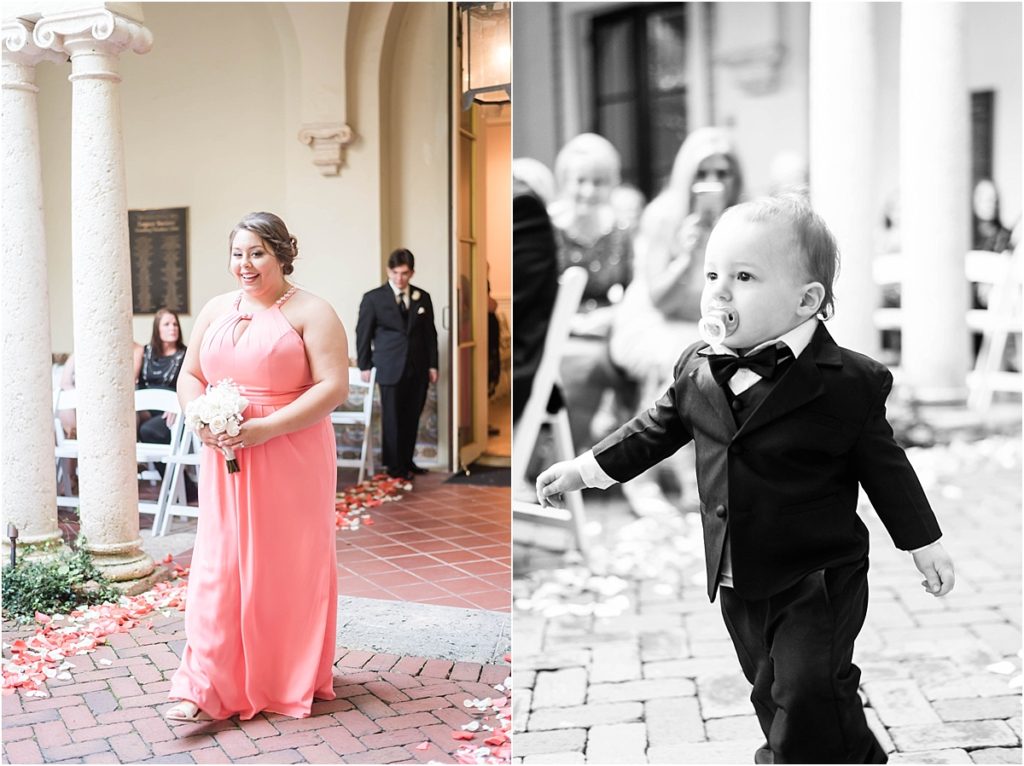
[{"x": 248, "y": 315}]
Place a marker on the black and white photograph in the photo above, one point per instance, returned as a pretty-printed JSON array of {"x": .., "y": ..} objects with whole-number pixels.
[{"x": 786, "y": 330}]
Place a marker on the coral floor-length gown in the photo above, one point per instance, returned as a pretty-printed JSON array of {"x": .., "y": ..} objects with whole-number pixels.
[{"x": 262, "y": 591}]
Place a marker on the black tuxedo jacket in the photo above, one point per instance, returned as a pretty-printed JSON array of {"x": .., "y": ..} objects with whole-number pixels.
[
  {"x": 386, "y": 341},
  {"x": 784, "y": 485}
]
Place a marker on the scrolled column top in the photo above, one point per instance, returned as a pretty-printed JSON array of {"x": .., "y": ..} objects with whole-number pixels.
[
  {"x": 19, "y": 46},
  {"x": 97, "y": 27}
]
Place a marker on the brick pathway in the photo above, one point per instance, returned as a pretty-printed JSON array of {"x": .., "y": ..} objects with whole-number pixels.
[
  {"x": 111, "y": 711},
  {"x": 627, "y": 662}
]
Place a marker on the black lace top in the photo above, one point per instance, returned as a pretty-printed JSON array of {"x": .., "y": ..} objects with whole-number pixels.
[{"x": 160, "y": 371}]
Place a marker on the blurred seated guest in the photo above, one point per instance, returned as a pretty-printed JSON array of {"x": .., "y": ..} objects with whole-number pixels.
[
  {"x": 659, "y": 314},
  {"x": 534, "y": 281},
  {"x": 988, "y": 231},
  {"x": 159, "y": 368},
  {"x": 68, "y": 418},
  {"x": 590, "y": 234},
  {"x": 588, "y": 230}
]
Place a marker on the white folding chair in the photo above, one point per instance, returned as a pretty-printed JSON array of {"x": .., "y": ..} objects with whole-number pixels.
[
  {"x": 535, "y": 415},
  {"x": 175, "y": 501},
  {"x": 161, "y": 401},
  {"x": 65, "y": 449},
  {"x": 360, "y": 395},
  {"x": 997, "y": 323}
]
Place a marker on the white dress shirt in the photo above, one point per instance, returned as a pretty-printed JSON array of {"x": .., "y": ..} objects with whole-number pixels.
[{"x": 403, "y": 293}]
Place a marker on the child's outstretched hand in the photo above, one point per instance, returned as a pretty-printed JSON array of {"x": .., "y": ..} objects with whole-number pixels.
[
  {"x": 937, "y": 567},
  {"x": 556, "y": 481}
]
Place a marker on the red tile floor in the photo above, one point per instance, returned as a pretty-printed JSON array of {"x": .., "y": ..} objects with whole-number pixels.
[{"x": 445, "y": 544}]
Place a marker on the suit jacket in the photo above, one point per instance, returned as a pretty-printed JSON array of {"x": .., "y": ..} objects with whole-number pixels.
[
  {"x": 386, "y": 341},
  {"x": 783, "y": 486},
  {"x": 534, "y": 289}
]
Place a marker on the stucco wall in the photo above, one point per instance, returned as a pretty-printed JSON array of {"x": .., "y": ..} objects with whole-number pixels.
[{"x": 211, "y": 117}]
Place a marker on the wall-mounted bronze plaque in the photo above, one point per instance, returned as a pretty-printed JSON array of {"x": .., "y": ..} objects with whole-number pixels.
[{"x": 159, "y": 247}]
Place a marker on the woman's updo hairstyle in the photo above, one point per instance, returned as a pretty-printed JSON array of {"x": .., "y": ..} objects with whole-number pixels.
[{"x": 272, "y": 230}]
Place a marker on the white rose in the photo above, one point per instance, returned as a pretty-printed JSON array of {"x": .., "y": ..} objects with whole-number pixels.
[
  {"x": 416, "y": 295},
  {"x": 218, "y": 424},
  {"x": 232, "y": 427}
]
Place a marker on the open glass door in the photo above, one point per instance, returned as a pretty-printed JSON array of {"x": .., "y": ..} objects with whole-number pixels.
[{"x": 470, "y": 410}]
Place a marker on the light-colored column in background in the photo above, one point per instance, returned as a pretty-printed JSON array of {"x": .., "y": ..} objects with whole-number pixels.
[
  {"x": 842, "y": 129},
  {"x": 101, "y": 268},
  {"x": 698, "y": 91},
  {"x": 934, "y": 199},
  {"x": 27, "y": 474}
]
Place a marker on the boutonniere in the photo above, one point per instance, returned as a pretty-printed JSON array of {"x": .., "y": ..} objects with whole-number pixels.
[
  {"x": 416, "y": 295},
  {"x": 423, "y": 310}
]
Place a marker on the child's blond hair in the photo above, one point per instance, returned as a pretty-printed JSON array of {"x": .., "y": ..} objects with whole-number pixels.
[{"x": 810, "y": 233}]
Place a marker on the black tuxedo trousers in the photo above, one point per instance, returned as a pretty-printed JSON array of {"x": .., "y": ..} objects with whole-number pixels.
[{"x": 796, "y": 650}]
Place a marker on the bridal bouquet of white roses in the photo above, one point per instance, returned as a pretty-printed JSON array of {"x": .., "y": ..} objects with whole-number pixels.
[{"x": 220, "y": 408}]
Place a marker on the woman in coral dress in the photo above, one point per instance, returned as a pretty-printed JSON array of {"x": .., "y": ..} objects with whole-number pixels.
[{"x": 262, "y": 591}]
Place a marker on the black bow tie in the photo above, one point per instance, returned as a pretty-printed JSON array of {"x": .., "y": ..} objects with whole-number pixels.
[{"x": 765, "y": 363}]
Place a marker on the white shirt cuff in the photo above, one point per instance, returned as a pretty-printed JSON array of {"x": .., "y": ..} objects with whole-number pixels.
[
  {"x": 929, "y": 545},
  {"x": 591, "y": 473}
]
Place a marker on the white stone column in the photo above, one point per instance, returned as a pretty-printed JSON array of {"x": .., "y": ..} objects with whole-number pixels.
[
  {"x": 842, "y": 157},
  {"x": 934, "y": 197},
  {"x": 698, "y": 43},
  {"x": 101, "y": 267},
  {"x": 27, "y": 480}
]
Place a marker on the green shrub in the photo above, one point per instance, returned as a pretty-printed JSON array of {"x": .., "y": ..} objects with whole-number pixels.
[{"x": 54, "y": 586}]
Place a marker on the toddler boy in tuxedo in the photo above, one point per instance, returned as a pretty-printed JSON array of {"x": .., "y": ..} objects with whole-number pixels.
[{"x": 787, "y": 426}]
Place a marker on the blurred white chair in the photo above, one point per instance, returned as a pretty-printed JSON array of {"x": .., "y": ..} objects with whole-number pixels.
[
  {"x": 535, "y": 415},
  {"x": 363, "y": 417},
  {"x": 175, "y": 501},
  {"x": 65, "y": 449},
  {"x": 161, "y": 401},
  {"x": 997, "y": 322}
]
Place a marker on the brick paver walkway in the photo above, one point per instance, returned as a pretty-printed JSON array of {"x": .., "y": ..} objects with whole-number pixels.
[
  {"x": 627, "y": 662},
  {"x": 111, "y": 711}
]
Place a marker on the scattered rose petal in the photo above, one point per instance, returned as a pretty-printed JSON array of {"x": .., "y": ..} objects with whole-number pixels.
[
  {"x": 463, "y": 735},
  {"x": 1003, "y": 668},
  {"x": 422, "y": 745}
]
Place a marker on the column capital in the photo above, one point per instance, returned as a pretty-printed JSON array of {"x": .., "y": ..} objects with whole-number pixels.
[
  {"x": 328, "y": 142},
  {"x": 19, "y": 46},
  {"x": 95, "y": 29}
]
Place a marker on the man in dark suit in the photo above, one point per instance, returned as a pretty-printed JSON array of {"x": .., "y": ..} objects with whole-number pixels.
[
  {"x": 395, "y": 333},
  {"x": 787, "y": 426},
  {"x": 534, "y": 288}
]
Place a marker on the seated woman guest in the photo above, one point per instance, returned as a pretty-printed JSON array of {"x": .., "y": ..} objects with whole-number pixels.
[
  {"x": 159, "y": 368},
  {"x": 590, "y": 234}
]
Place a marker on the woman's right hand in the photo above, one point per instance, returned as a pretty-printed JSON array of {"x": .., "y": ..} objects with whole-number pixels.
[{"x": 208, "y": 437}]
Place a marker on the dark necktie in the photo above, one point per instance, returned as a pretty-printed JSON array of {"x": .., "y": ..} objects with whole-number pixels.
[
  {"x": 401, "y": 305},
  {"x": 765, "y": 363}
]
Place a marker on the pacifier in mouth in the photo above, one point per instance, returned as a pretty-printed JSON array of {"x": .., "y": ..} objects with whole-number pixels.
[{"x": 717, "y": 325}]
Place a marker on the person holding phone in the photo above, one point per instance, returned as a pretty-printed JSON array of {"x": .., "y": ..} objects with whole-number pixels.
[{"x": 659, "y": 313}]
